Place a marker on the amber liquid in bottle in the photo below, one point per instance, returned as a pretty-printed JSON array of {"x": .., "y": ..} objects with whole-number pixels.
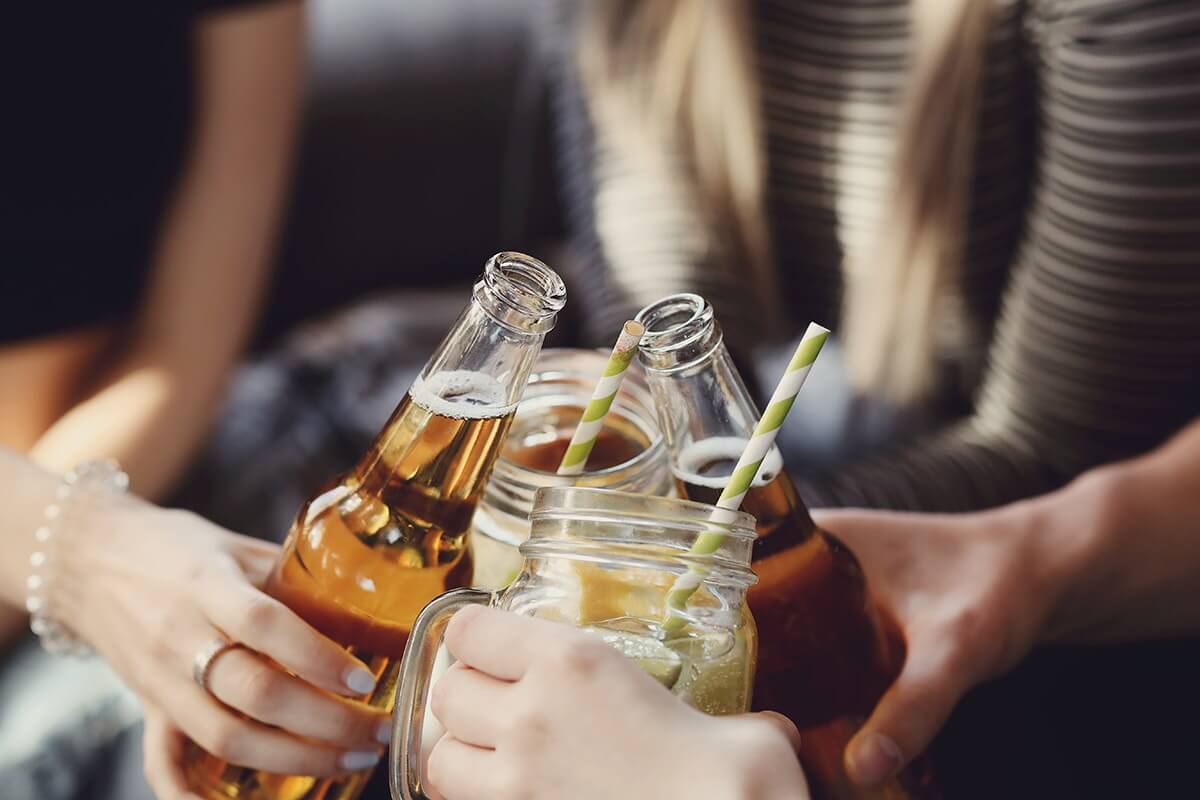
[{"x": 826, "y": 653}]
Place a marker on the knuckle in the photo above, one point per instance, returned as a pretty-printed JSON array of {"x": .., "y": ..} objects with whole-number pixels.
[
  {"x": 969, "y": 635},
  {"x": 528, "y": 727},
  {"x": 765, "y": 742},
  {"x": 315, "y": 654},
  {"x": 581, "y": 658},
  {"x": 262, "y": 688},
  {"x": 161, "y": 640},
  {"x": 346, "y": 726},
  {"x": 259, "y": 614},
  {"x": 440, "y": 696},
  {"x": 965, "y": 625},
  {"x": 459, "y": 625},
  {"x": 196, "y": 572}
]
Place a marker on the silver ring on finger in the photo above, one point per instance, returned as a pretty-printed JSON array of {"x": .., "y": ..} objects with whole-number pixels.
[{"x": 204, "y": 658}]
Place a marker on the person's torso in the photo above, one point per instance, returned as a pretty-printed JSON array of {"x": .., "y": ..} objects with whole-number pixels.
[
  {"x": 833, "y": 74},
  {"x": 98, "y": 101}
]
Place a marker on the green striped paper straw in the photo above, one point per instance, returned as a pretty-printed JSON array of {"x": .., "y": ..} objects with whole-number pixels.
[
  {"x": 747, "y": 467},
  {"x": 575, "y": 459}
]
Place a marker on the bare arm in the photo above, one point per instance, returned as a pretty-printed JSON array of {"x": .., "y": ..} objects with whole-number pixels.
[
  {"x": 153, "y": 403},
  {"x": 1138, "y": 576}
]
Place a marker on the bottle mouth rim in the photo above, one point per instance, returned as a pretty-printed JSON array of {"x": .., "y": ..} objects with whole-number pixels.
[
  {"x": 525, "y": 285},
  {"x": 674, "y": 321}
]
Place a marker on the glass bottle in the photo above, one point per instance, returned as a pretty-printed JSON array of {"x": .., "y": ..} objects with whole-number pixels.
[
  {"x": 365, "y": 556},
  {"x": 629, "y": 454},
  {"x": 826, "y": 652}
]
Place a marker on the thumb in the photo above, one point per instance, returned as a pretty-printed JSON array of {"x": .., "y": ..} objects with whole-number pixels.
[{"x": 907, "y": 718}]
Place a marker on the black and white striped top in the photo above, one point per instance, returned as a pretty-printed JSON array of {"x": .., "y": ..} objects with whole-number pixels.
[{"x": 1080, "y": 340}]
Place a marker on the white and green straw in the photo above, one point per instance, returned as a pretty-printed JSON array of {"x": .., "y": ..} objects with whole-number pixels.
[
  {"x": 747, "y": 468},
  {"x": 590, "y": 425}
]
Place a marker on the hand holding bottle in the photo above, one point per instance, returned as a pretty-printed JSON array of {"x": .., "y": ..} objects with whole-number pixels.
[
  {"x": 970, "y": 595},
  {"x": 537, "y": 709},
  {"x": 1111, "y": 557},
  {"x": 149, "y": 588}
]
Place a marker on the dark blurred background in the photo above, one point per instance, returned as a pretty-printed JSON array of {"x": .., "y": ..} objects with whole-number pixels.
[{"x": 425, "y": 149}]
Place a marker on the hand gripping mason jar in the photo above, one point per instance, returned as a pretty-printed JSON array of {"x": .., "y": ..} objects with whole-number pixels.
[
  {"x": 629, "y": 455},
  {"x": 366, "y": 554},
  {"x": 604, "y": 561}
]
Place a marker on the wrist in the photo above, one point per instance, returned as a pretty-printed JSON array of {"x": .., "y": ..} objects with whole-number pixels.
[
  {"x": 1075, "y": 533},
  {"x": 80, "y": 553}
]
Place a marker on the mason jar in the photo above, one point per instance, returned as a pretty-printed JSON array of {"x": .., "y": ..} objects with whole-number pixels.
[
  {"x": 629, "y": 454},
  {"x": 606, "y": 561}
]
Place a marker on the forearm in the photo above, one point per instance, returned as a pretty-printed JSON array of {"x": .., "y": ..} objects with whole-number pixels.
[
  {"x": 27, "y": 492},
  {"x": 1130, "y": 549},
  {"x": 147, "y": 412},
  {"x": 151, "y": 407},
  {"x": 959, "y": 469}
]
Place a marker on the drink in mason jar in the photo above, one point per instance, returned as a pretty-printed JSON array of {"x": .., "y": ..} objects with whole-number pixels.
[
  {"x": 618, "y": 442},
  {"x": 364, "y": 556},
  {"x": 605, "y": 561},
  {"x": 826, "y": 652},
  {"x": 709, "y": 667},
  {"x": 629, "y": 454}
]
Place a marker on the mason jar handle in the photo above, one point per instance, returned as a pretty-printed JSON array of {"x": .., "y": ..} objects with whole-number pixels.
[{"x": 416, "y": 675}]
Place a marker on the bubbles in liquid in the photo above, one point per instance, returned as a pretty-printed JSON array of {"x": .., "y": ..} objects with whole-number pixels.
[
  {"x": 710, "y": 462},
  {"x": 461, "y": 394}
]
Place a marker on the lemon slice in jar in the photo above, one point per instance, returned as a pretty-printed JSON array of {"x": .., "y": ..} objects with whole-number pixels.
[{"x": 655, "y": 658}]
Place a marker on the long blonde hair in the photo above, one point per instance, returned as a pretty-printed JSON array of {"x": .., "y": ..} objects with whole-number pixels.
[{"x": 681, "y": 73}]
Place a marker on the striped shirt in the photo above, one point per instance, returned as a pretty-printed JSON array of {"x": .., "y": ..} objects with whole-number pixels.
[{"x": 1077, "y": 334}]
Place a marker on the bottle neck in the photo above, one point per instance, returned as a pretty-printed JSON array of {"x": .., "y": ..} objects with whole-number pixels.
[
  {"x": 447, "y": 431},
  {"x": 707, "y": 414}
]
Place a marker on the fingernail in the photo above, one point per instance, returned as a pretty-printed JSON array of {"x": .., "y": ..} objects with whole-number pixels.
[
  {"x": 384, "y": 733},
  {"x": 359, "y": 680},
  {"x": 358, "y": 760},
  {"x": 874, "y": 758}
]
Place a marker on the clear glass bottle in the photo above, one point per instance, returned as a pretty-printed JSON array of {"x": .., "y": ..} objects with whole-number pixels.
[
  {"x": 629, "y": 455},
  {"x": 826, "y": 652},
  {"x": 604, "y": 561},
  {"x": 364, "y": 556}
]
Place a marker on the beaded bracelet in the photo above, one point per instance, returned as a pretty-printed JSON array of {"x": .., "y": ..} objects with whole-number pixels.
[{"x": 90, "y": 476}]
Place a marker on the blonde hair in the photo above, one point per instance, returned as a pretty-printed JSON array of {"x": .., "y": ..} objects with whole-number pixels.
[{"x": 681, "y": 73}]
